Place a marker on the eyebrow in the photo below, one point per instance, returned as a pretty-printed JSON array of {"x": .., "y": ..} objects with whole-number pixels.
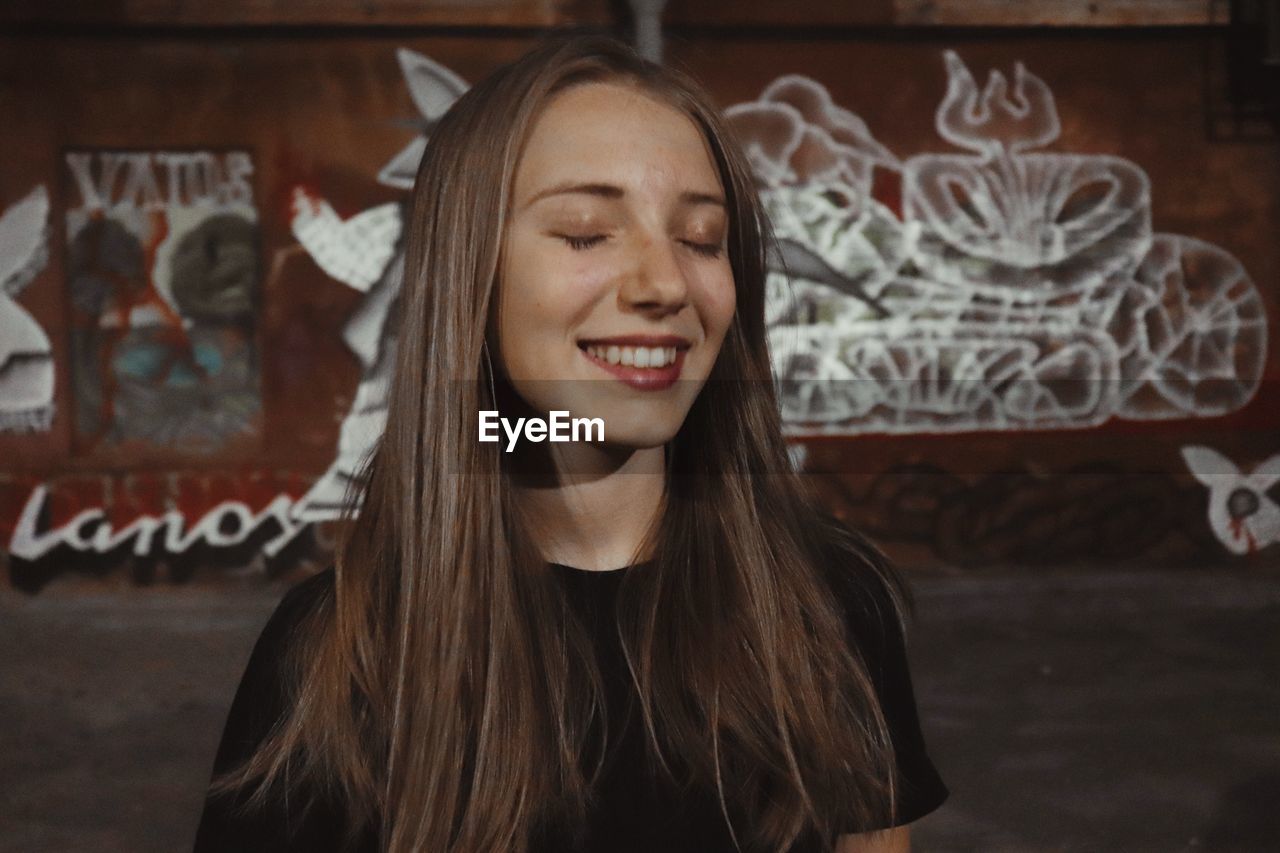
[{"x": 612, "y": 192}]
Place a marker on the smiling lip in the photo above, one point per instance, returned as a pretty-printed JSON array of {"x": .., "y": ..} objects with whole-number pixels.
[
  {"x": 639, "y": 341},
  {"x": 640, "y": 378}
]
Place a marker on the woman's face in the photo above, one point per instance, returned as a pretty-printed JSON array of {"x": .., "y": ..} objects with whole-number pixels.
[{"x": 615, "y": 288}]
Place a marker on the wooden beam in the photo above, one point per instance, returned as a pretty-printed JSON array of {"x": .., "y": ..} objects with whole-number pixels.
[
  {"x": 547, "y": 13},
  {"x": 222, "y": 13},
  {"x": 1074, "y": 13},
  {"x": 774, "y": 13},
  {"x": 955, "y": 13}
]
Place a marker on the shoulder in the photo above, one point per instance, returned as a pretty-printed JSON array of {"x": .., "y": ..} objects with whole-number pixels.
[
  {"x": 262, "y": 696},
  {"x": 874, "y": 600},
  {"x": 876, "y": 604},
  {"x": 261, "y": 701},
  {"x": 298, "y": 603},
  {"x": 305, "y": 595},
  {"x": 304, "y": 598},
  {"x": 873, "y": 594}
]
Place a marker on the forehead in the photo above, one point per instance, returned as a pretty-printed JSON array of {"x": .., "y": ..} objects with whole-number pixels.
[{"x": 614, "y": 132}]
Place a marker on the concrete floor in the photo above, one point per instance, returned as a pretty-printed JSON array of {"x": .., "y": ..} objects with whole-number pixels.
[{"x": 1077, "y": 711}]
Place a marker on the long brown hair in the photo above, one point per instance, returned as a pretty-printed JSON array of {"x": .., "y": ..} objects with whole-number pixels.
[{"x": 444, "y": 692}]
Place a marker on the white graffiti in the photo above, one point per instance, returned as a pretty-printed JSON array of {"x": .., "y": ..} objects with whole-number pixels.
[
  {"x": 365, "y": 253},
  {"x": 227, "y": 524},
  {"x": 1017, "y": 290},
  {"x": 26, "y": 358},
  {"x": 433, "y": 89},
  {"x": 1242, "y": 514},
  {"x": 353, "y": 251},
  {"x": 161, "y": 180}
]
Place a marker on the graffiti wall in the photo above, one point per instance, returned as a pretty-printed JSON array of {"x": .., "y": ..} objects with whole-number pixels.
[
  {"x": 162, "y": 268},
  {"x": 1008, "y": 325},
  {"x": 1007, "y": 307},
  {"x": 1014, "y": 288},
  {"x": 235, "y": 523}
]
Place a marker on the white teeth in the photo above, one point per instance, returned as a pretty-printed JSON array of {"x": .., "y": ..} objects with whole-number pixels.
[{"x": 646, "y": 357}]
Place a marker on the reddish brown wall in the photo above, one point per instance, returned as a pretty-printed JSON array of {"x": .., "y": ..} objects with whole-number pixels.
[
  {"x": 1140, "y": 95},
  {"x": 327, "y": 109}
]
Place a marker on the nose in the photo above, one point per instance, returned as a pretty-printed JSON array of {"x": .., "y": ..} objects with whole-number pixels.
[{"x": 656, "y": 284}]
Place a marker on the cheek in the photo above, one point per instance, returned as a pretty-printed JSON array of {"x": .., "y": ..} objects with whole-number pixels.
[
  {"x": 526, "y": 291},
  {"x": 544, "y": 293},
  {"x": 719, "y": 303}
]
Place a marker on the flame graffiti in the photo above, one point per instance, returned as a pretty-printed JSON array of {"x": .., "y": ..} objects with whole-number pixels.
[{"x": 1017, "y": 289}]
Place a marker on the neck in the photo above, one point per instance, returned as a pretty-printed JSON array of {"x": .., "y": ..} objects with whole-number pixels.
[{"x": 589, "y": 506}]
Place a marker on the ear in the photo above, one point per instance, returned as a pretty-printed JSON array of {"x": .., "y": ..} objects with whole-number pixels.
[{"x": 1208, "y": 465}]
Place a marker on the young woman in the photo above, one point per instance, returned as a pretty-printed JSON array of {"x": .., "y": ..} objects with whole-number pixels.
[{"x": 653, "y": 641}]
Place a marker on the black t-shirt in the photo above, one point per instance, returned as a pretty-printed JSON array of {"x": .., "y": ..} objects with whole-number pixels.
[{"x": 632, "y": 812}]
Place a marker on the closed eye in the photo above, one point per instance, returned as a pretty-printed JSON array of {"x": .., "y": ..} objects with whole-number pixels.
[
  {"x": 580, "y": 243},
  {"x": 710, "y": 250}
]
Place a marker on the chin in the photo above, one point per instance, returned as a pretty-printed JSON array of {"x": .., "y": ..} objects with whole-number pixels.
[
  {"x": 642, "y": 424},
  {"x": 638, "y": 439}
]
